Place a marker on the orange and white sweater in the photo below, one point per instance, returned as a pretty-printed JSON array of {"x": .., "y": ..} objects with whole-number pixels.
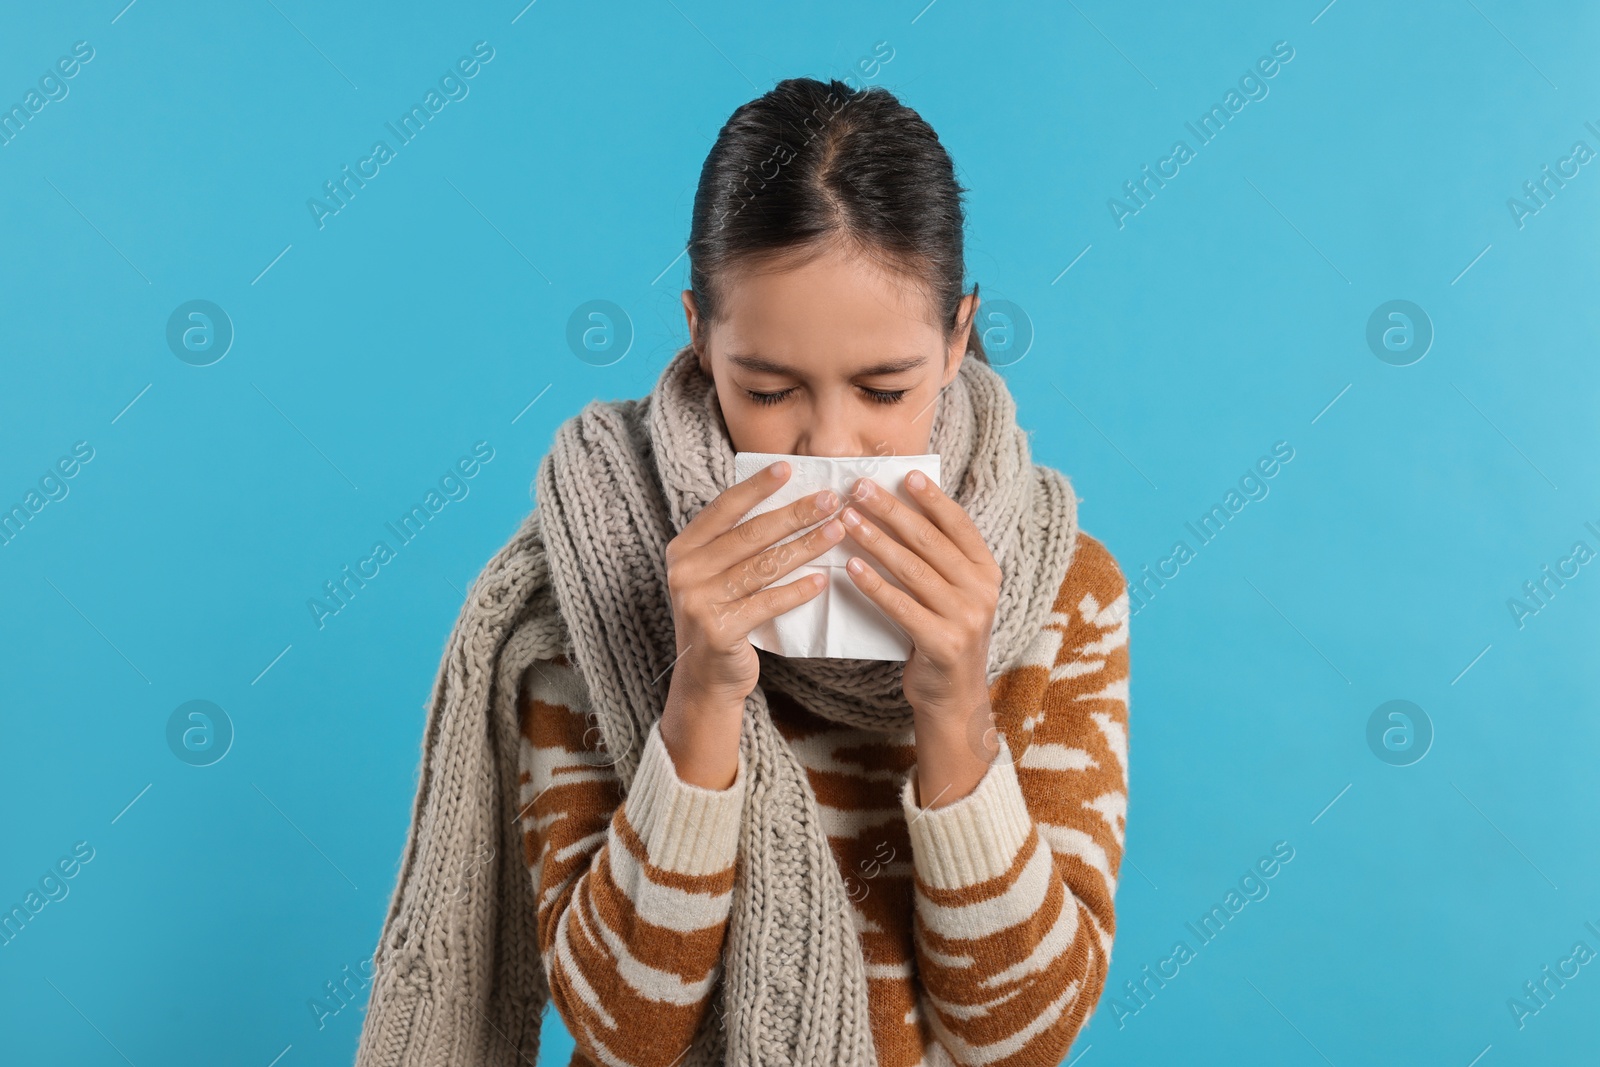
[{"x": 985, "y": 924}]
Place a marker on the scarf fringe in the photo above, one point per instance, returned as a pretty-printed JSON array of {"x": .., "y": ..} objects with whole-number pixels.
[{"x": 461, "y": 980}]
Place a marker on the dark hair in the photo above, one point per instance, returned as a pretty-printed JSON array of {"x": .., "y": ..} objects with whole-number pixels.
[{"x": 812, "y": 162}]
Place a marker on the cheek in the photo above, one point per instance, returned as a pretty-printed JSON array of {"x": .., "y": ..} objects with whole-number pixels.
[
  {"x": 912, "y": 441},
  {"x": 901, "y": 429},
  {"x": 753, "y": 428}
]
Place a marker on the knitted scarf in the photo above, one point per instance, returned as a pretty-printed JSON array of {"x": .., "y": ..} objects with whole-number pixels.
[{"x": 459, "y": 978}]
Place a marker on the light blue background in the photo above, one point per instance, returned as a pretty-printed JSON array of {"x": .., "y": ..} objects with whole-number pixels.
[{"x": 427, "y": 315}]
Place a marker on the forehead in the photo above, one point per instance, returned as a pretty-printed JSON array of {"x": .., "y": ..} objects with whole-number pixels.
[{"x": 833, "y": 301}]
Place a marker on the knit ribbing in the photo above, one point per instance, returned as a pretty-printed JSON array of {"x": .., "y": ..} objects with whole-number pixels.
[
  {"x": 1003, "y": 958},
  {"x": 585, "y": 577},
  {"x": 974, "y": 839},
  {"x": 684, "y": 827}
]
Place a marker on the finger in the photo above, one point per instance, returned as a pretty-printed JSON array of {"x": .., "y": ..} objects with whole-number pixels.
[
  {"x": 950, "y": 517},
  {"x": 914, "y": 572},
  {"x": 733, "y": 503},
  {"x": 913, "y": 529},
  {"x": 757, "y": 608},
  {"x": 779, "y": 560},
  {"x": 897, "y": 606},
  {"x": 750, "y": 537}
]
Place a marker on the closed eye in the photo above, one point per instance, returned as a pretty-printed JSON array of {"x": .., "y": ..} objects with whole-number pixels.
[{"x": 880, "y": 396}]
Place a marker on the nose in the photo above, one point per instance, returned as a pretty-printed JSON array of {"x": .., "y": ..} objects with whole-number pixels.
[
  {"x": 830, "y": 433},
  {"x": 831, "y": 442}
]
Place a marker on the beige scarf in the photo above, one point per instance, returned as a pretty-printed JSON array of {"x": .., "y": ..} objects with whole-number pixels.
[{"x": 459, "y": 978}]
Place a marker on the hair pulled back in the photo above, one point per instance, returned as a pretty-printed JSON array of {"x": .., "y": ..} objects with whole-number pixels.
[{"x": 813, "y": 162}]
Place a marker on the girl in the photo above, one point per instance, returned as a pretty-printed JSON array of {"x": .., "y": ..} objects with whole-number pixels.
[{"x": 701, "y": 853}]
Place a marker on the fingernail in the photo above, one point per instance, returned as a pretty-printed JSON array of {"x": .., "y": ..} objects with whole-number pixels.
[
  {"x": 855, "y": 565},
  {"x": 915, "y": 480},
  {"x": 863, "y": 488},
  {"x": 779, "y": 469},
  {"x": 832, "y": 530},
  {"x": 827, "y": 500},
  {"x": 852, "y": 516}
]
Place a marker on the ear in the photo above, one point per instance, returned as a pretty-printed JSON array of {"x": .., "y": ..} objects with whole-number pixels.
[
  {"x": 958, "y": 337},
  {"x": 691, "y": 314}
]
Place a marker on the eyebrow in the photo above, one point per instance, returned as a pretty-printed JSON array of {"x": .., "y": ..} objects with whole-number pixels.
[{"x": 769, "y": 366}]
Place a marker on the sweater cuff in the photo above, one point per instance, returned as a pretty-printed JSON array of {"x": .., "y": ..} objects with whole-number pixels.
[
  {"x": 974, "y": 839},
  {"x": 685, "y": 827}
]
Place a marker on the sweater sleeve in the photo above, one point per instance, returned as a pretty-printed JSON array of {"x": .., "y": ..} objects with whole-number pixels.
[
  {"x": 633, "y": 894},
  {"x": 1013, "y": 884}
]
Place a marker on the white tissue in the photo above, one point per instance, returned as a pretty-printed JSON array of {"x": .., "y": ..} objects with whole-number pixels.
[{"x": 840, "y": 622}]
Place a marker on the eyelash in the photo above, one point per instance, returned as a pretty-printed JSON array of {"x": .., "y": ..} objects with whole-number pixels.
[{"x": 877, "y": 395}]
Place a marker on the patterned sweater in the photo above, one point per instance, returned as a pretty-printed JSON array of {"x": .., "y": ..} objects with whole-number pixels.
[{"x": 985, "y": 924}]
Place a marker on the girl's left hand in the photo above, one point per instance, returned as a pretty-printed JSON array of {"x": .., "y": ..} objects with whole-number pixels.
[{"x": 954, "y": 585}]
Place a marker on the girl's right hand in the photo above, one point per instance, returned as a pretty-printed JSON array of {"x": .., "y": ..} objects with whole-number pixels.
[{"x": 718, "y": 575}]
